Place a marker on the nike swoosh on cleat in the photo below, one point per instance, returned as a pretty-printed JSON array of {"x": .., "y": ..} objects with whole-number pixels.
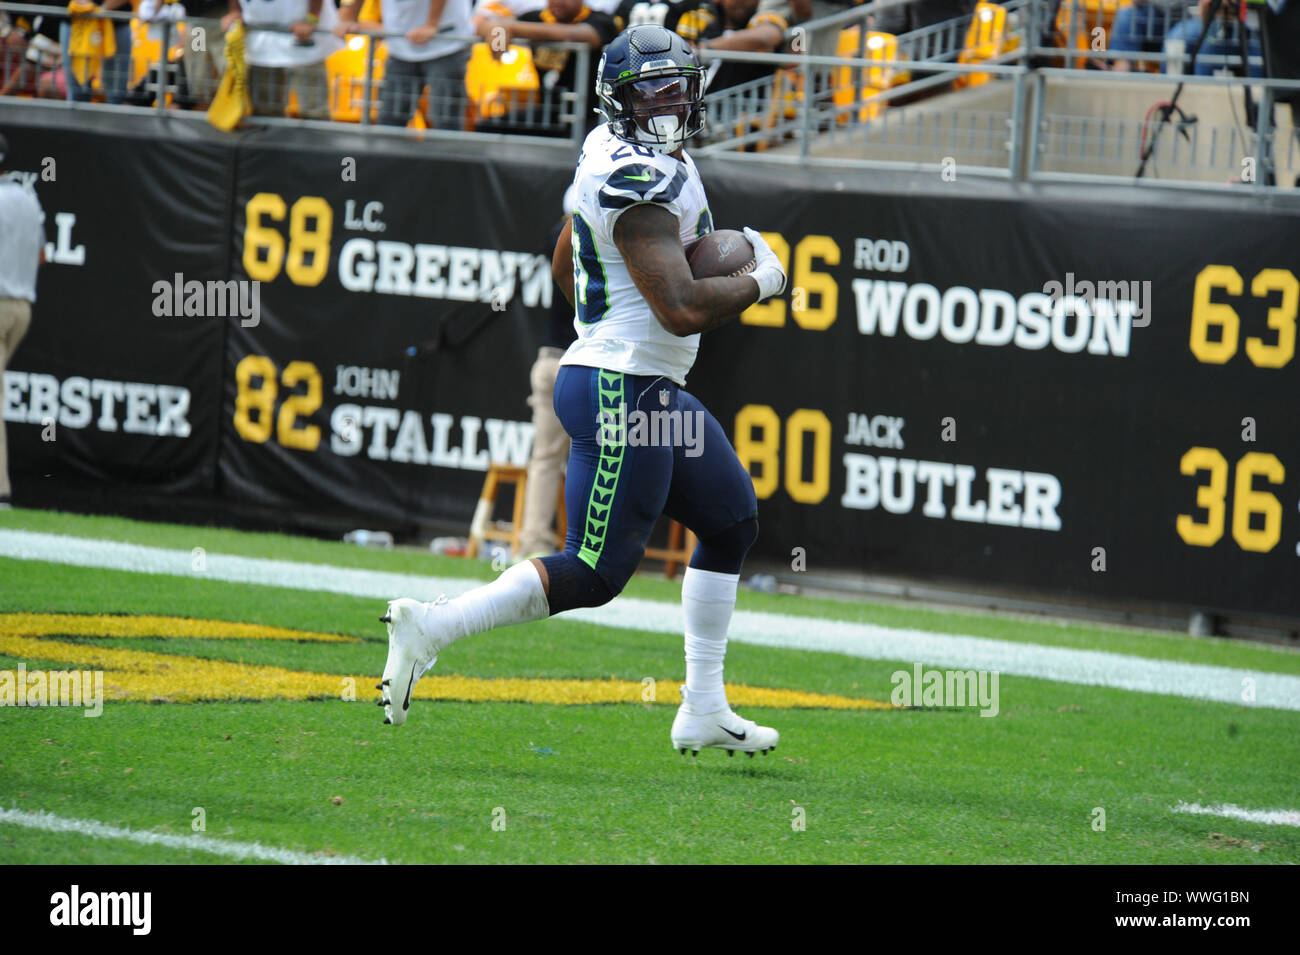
[
  {"x": 406, "y": 704},
  {"x": 739, "y": 736}
]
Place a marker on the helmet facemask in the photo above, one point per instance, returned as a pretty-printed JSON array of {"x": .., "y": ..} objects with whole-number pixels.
[
  {"x": 660, "y": 105},
  {"x": 662, "y": 110}
]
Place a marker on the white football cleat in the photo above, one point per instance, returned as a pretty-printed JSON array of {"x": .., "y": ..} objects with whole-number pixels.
[
  {"x": 723, "y": 729},
  {"x": 412, "y": 650}
]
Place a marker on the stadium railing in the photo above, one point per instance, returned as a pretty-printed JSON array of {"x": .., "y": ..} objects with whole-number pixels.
[
  {"x": 1009, "y": 111},
  {"x": 992, "y": 103},
  {"x": 534, "y": 112}
]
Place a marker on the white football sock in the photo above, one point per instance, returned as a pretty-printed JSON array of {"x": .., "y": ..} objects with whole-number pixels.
[
  {"x": 514, "y": 597},
  {"x": 708, "y": 598}
]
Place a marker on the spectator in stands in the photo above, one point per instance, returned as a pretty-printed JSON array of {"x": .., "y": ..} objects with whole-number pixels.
[
  {"x": 282, "y": 61},
  {"x": 1221, "y": 40},
  {"x": 660, "y": 13},
  {"x": 690, "y": 18},
  {"x": 562, "y": 20},
  {"x": 205, "y": 51},
  {"x": 517, "y": 8},
  {"x": 737, "y": 25},
  {"x": 1141, "y": 28},
  {"x": 22, "y": 250},
  {"x": 83, "y": 38},
  {"x": 32, "y": 55},
  {"x": 920, "y": 13},
  {"x": 418, "y": 58}
]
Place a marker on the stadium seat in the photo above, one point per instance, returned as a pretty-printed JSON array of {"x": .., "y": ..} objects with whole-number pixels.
[
  {"x": 1082, "y": 17},
  {"x": 346, "y": 71},
  {"x": 878, "y": 46},
  {"x": 986, "y": 39},
  {"x": 497, "y": 86}
]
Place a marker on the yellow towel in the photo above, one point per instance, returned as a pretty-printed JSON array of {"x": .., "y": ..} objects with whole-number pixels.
[
  {"x": 231, "y": 104},
  {"x": 91, "y": 40}
]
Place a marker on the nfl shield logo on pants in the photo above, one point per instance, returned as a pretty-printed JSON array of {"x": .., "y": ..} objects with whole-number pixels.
[{"x": 663, "y": 397}]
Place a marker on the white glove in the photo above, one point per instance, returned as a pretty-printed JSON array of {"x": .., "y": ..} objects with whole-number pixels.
[{"x": 767, "y": 267}]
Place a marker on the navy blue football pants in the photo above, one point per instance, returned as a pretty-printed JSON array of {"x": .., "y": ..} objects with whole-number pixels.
[{"x": 641, "y": 447}]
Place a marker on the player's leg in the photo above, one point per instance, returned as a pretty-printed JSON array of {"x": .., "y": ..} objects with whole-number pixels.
[
  {"x": 613, "y": 492},
  {"x": 614, "y": 488},
  {"x": 713, "y": 495}
]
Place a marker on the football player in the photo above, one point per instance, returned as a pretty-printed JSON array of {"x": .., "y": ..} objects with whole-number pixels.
[{"x": 639, "y": 313}]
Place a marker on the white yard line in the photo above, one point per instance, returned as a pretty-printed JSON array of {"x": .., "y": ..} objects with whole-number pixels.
[
  {"x": 1271, "y": 817},
  {"x": 868, "y": 641},
  {"x": 194, "y": 842}
]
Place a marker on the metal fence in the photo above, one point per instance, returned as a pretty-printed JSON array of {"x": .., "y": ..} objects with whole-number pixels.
[
  {"x": 1014, "y": 106},
  {"x": 1028, "y": 90},
  {"x": 175, "y": 67}
]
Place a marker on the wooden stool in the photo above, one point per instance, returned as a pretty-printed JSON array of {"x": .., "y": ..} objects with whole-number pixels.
[
  {"x": 681, "y": 544},
  {"x": 483, "y": 528}
]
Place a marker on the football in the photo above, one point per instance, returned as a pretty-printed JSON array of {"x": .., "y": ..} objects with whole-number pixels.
[{"x": 724, "y": 252}]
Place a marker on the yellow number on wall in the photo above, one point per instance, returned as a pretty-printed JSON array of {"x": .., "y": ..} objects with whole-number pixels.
[
  {"x": 309, "y": 248},
  {"x": 808, "y": 421},
  {"x": 1208, "y": 496},
  {"x": 299, "y": 406},
  {"x": 1206, "y": 314},
  {"x": 260, "y": 399},
  {"x": 1247, "y": 501},
  {"x": 820, "y": 284},
  {"x": 764, "y": 450},
  {"x": 1280, "y": 318},
  {"x": 260, "y": 238}
]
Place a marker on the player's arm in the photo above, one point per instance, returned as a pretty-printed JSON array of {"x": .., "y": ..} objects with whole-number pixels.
[
  {"x": 647, "y": 236},
  {"x": 562, "y": 260}
]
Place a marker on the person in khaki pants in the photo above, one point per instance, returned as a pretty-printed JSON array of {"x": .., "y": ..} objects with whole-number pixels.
[
  {"x": 550, "y": 440},
  {"x": 22, "y": 242}
]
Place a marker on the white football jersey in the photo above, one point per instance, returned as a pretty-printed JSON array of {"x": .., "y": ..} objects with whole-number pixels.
[{"x": 616, "y": 328}]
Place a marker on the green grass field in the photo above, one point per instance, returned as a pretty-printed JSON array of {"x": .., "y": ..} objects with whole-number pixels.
[{"x": 535, "y": 782}]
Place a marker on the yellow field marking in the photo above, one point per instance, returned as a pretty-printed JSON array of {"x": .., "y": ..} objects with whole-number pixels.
[
  {"x": 163, "y": 678},
  {"x": 121, "y": 625}
]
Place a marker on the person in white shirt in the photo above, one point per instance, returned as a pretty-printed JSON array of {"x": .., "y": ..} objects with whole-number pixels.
[
  {"x": 22, "y": 250},
  {"x": 420, "y": 57},
  {"x": 279, "y": 62}
]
